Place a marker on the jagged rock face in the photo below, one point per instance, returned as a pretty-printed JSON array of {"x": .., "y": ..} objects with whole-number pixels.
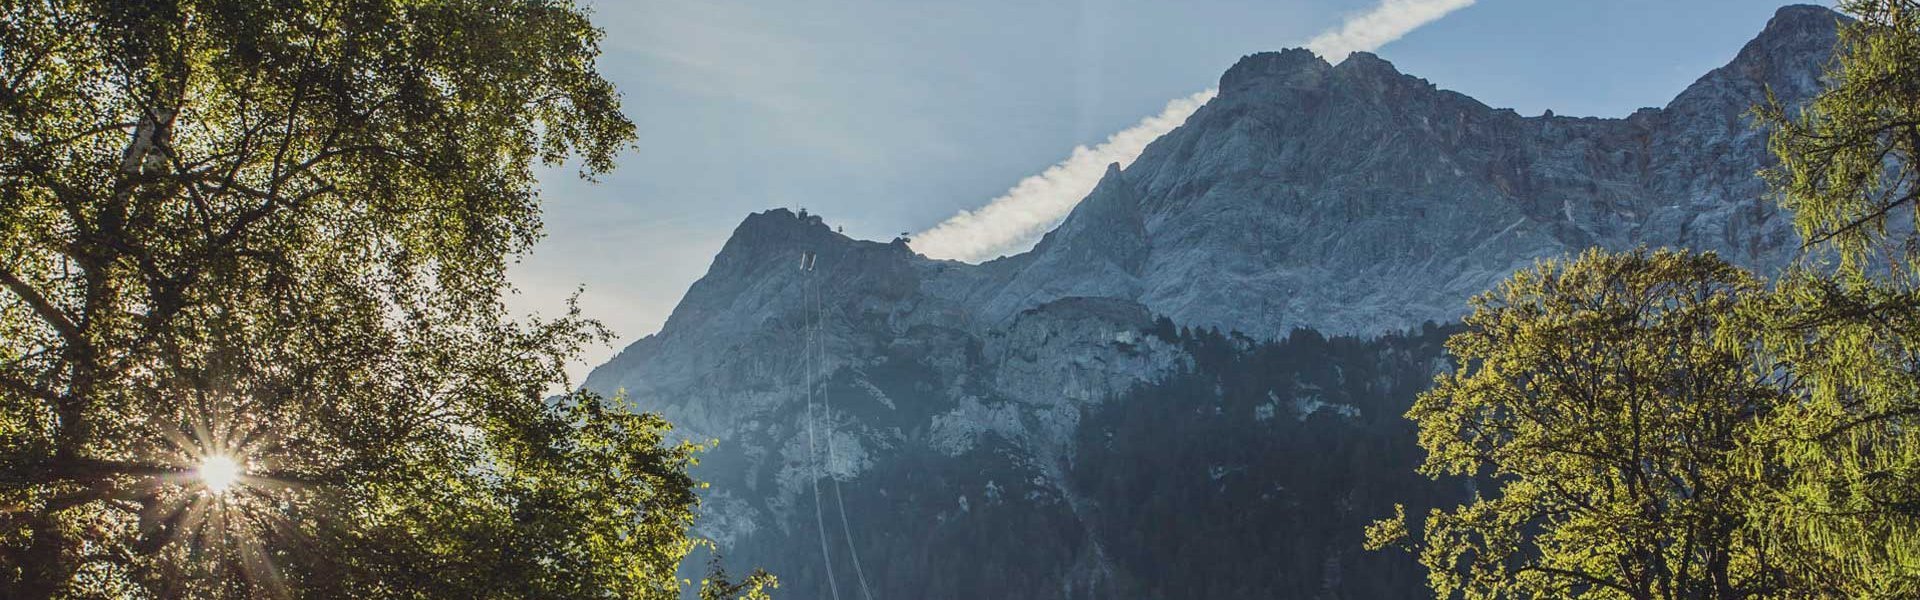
[
  {"x": 1353, "y": 198},
  {"x": 1349, "y": 198},
  {"x": 732, "y": 346}
]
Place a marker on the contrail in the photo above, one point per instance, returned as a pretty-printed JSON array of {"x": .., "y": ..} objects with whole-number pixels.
[
  {"x": 1014, "y": 221},
  {"x": 1370, "y": 30}
]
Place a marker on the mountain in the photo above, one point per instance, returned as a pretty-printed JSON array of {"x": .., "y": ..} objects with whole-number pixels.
[
  {"x": 891, "y": 425},
  {"x": 1354, "y": 198}
]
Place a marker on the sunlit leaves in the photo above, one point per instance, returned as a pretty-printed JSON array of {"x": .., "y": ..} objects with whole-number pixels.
[
  {"x": 1842, "y": 496},
  {"x": 1597, "y": 405},
  {"x": 277, "y": 231},
  {"x": 1847, "y": 160},
  {"x": 1644, "y": 416}
]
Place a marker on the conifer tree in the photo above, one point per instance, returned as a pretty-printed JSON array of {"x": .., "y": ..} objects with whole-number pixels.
[{"x": 1843, "y": 494}]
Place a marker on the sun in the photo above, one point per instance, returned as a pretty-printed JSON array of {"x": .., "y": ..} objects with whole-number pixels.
[{"x": 218, "y": 472}]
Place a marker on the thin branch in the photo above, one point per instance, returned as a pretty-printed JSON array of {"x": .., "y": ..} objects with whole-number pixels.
[
  {"x": 41, "y": 306},
  {"x": 1862, "y": 221}
]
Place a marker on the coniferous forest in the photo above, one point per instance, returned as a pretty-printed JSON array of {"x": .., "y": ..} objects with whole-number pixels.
[{"x": 1257, "y": 467}]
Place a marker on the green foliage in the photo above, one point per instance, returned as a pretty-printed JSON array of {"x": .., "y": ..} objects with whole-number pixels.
[
  {"x": 718, "y": 585},
  {"x": 1662, "y": 426},
  {"x": 278, "y": 231},
  {"x": 1840, "y": 498},
  {"x": 1844, "y": 493},
  {"x": 1597, "y": 399},
  {"x": 1847, "y": 160}
]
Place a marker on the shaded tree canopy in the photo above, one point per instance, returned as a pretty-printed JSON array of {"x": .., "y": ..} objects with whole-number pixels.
[{"x": 277, "y": 232}]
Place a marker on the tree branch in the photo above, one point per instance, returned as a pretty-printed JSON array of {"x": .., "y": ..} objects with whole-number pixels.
[{"x": 46, "y": 310}]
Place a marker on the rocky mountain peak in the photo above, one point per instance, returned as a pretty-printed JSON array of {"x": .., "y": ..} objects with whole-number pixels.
[
  {"x": 1365, "y": 78},
  {"x": 772, "y": 244},
  {"x": 1293, "y": 67},
  {"x": 1776, "y": 60},
  {"x": 1794, "y": 30},
  {"x": 1354, "y": 198},
  {"x": 778, "y": 229},
  {"x": 1801, "y": 16},
  {"x": 1366, "y": 63},
  {"x": 1350, "y": 199}
]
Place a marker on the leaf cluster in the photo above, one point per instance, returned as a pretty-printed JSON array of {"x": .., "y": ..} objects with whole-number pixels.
[
  {"x": 278, "y": 231},
  {"x": 1661, "y": 425}
]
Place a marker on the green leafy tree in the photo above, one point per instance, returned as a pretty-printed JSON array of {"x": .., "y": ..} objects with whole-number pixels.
[
  {"x": 1847, "y": 166},
  {"x": 1843, "y": 498},
  {"x": 251, "y": 337},
  {"x": 1816, "y": 467},
  {"x": 1597, "y": 404}
]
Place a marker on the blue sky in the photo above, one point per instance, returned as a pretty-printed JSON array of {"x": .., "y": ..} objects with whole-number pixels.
[{"x": 891, "y": 116}]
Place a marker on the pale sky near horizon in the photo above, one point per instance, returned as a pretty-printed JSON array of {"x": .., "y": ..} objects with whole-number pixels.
[{"x": 890, "y": 116}]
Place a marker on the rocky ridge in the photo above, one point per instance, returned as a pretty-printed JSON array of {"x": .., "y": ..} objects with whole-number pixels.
[{"x": 1347, "y": 198}]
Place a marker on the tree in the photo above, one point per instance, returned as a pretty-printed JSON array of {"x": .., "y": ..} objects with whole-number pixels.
[
  {"x": 1847, "y": 167},
  {"x": 1844, "y": 497},
  {"x": 1821, "y": 468},
  {"x": 1823, "y": 456},
  {"x": 251, "y": 338},
  {"x": 1596, "y": 400}
]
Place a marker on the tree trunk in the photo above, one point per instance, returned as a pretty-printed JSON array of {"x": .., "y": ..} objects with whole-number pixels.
[{"x": 43, "y": 570}]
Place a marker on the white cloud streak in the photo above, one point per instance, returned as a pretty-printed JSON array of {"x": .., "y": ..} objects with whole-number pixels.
[
  {"x": 1015, "y": 221},
  {"x": 1387, "y": 22}
]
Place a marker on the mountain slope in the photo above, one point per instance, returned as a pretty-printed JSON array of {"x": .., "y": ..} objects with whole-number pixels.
[
  {"x": 1348, "y": 198},
  {"x": 1353, "y": 198}
]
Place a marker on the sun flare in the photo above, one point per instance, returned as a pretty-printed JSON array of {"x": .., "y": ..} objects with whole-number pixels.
[{"x": 218, "y": 473}]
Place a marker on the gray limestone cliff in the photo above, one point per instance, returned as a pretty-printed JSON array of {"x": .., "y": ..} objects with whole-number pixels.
[
  {"x": 1352, "y": 198},
  {"x": 1349, "y": 198}
]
